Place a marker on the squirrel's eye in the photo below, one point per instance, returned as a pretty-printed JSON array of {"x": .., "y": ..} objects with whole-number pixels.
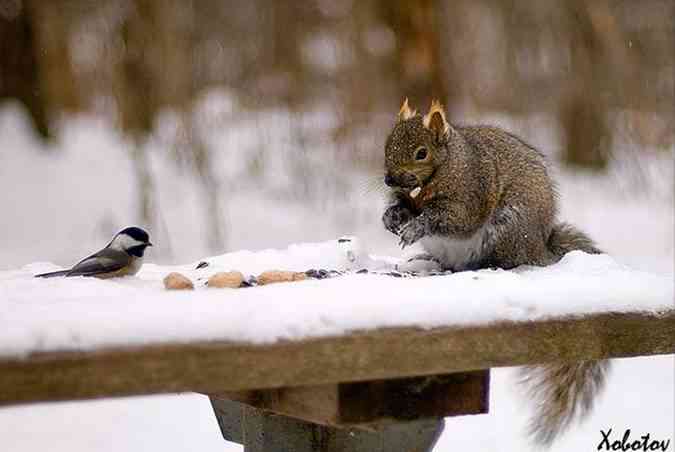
[{"x": 421, "y": 154}]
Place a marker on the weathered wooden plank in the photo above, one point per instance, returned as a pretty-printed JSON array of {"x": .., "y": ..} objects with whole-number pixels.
[
  {"x": 391, "y": 353},
  {"x": 372, "y": 403},
  {"x": 408, "y": 399}
]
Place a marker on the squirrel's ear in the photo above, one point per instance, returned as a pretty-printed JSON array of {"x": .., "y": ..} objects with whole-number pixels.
[
  {"x": 435, "y": 120},
  {"x": 405, "y": 112}
]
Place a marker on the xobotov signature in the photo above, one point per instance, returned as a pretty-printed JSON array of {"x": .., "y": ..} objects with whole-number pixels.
[{"x": 626, "y": 444}]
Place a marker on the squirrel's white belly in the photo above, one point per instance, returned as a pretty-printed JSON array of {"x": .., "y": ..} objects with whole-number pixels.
[{"x": 456, "y": 254}]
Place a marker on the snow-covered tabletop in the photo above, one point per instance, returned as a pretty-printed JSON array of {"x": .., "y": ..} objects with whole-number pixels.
[{"x": 86, "y": 313}]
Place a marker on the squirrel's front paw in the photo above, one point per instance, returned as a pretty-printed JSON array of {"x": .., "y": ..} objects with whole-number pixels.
[
  {"x": 395, "y": 217},
  {"x": 411, "y": 232}
]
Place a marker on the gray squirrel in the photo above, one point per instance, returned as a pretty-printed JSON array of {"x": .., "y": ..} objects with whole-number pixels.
[{"x": 480, "y": 197}]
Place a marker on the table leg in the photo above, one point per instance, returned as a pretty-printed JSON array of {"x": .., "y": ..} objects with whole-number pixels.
[{"x": 261, "y": 431}]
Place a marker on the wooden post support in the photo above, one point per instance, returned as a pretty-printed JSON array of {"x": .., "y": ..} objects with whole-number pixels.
[
  {"x": 370, "y": 404},
  {"x": 260, "y": 431}
]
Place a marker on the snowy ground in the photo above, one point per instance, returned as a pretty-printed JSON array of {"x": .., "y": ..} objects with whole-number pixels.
[{"x": 57, "y": 208}]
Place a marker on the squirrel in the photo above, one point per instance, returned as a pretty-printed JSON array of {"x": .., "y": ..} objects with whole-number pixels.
[{"x": 479, "y": 197}]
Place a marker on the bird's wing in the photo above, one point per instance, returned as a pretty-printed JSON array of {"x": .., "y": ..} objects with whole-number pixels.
[{"x": 105, "y": 261}]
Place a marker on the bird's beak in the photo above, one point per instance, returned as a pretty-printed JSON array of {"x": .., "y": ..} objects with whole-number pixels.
[{"x": 148, "y": 244}]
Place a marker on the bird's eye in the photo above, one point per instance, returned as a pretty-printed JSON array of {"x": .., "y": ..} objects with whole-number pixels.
[{"x": 421, "y": 154}]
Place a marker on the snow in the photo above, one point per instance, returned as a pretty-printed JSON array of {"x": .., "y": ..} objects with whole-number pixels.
[
  {"x": 86, "y": 313},
  {"x": 48, "y": 216}
]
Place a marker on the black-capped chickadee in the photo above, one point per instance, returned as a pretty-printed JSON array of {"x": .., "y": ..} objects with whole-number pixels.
[{"x": 123, "y": 256}]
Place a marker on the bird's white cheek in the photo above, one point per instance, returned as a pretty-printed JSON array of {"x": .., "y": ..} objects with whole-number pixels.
[{"x": 123, "y": 242}]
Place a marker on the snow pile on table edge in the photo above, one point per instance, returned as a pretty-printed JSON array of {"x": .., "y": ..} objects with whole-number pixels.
[{"x": 62, "y": 314}]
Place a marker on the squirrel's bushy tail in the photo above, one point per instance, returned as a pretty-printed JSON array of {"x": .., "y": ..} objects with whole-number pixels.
[
  {"x": 565, "y": 238},
  {"x": 563, "y": 392}
]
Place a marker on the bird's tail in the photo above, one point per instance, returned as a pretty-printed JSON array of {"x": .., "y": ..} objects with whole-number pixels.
[
  {"x": 562, "y": 393},
  {"x": 53, "y": 274}
]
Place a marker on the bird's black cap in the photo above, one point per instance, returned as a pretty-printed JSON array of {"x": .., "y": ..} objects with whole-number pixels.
[{"x": 136, "y": 234}]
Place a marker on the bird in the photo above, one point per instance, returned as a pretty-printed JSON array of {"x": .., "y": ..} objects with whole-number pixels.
[{"x": 123, "y": 256}]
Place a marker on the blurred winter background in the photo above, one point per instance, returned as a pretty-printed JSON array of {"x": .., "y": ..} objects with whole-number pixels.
[{"x": 224, "y": 125}]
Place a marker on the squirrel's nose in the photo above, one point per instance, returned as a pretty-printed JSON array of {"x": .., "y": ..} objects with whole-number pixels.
[{"x": 388, "y": 180}]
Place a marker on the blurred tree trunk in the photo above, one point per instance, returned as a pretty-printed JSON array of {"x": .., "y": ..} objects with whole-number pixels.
[
  {"x": 583, "y": 109},
  {"x": 136, "y": 97},
  {"x": 418, "y": 64},
  {"x": 51, "y": 22},
  {"x": 155, "y": 71},
  {"x": 356, "y": 79},
  {"x": 19, "y": 75},
  {"x": 135, "y": 91},
  {"x": 180, "y": 39},
  {"x": 285, "y": 22},
  {"x": 203, "y": 166},
  {"x": 587, "y": 137}
]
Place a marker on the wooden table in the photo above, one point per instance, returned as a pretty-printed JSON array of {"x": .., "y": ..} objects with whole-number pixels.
[{"x": 380, "y": 390}]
